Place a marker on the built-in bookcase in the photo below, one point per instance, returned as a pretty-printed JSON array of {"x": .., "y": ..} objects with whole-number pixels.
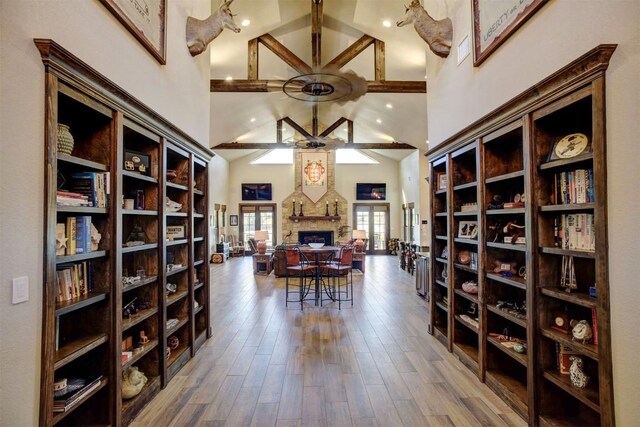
[
  {"x": 541, "y": 245},
  {"x": 129, "y": 245}
]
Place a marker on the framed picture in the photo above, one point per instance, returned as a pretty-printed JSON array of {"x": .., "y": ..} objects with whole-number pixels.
[
  {"x": 467, "y": 229},
  {"x": 570, "y": 146},
  {"x": 146, "y": 20},
  {"x": 175, "y": 232},
  {"x": 441, "y": 180},
  {"x": 495, "y": 20},
  {"x": 233, "y": 220},
  {"x": 137, "y": 162}
]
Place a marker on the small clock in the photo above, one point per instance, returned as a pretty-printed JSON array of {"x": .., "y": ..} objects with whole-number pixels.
[
  {"x": 570, "y": 146},
  {"x": 560, "y": 321}
]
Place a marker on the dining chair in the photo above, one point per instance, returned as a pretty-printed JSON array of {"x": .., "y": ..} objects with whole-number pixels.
[
  {"x": 298, "y": 266},
  {"x": 335, "y": 270}
]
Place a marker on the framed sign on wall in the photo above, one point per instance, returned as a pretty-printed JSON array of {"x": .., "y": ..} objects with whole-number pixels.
[
  {"x": 146, "y": 20},
  {"x": 495, "y": 20}
]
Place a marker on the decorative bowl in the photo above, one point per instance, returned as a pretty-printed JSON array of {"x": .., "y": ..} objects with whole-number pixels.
[{"x": 316, "y": 245}]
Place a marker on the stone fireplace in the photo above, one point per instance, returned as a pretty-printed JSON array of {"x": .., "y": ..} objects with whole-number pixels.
[
  {"x": 315, "y": 218},
  {"x": 316, "y": 236}
]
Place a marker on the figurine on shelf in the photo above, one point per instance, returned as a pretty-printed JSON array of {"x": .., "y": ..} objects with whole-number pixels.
[
  {"x": 581, "y": 331},
  {"x": 173, "y": 342},
  {"x": 568, "y": 274},
  {"x": 495, "y": 233},
  {"x": 496, "y": 202},
  {"x": 144, "y": 339},
  {"x": 95, "y": 238},
  {"x": 505, "y": 268},
  {"x": 470, "y": 287},
  {"x": 172, "y": 206},
  {"x": 578, "y": 378},
  {"x": 514, "y": 233},
  {"x": 132, "y": 382},
  {"x": 136, "y": 237}
]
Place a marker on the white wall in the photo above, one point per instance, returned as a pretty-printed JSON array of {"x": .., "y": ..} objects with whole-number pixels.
[
  {"x": 560, "y": 32},
  {"x": 283, "y": 180},
  {"x": 177, "y": 91}
]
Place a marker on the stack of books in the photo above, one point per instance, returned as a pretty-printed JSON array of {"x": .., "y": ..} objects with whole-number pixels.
[
  {"x": 70, "y": 198},
  {"x": 73, "y": 280},
  {"x": 77, "y": 389}
]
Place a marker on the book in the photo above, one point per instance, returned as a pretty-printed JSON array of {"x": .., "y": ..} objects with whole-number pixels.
[
  {"x": 71, "y": 235},
  {"x": 564, "y": 359},
  {"x": 78, "y": 389},
  {"x": 594, "y": 323},
  {"x": 61, "y": 239}
]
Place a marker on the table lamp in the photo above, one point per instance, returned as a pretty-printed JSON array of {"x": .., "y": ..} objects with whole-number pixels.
[
  {"x": 359, "y": 235},
  {"x": 261, "y": 238}
]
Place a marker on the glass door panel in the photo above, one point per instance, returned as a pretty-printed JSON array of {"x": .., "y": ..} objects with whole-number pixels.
[{"x": 373, "y": 218}]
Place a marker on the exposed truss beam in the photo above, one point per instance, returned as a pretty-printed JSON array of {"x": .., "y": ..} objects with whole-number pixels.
[
  {"x": 285, "y": 54},
  {"x": 297, "y": 127},
  {"x": 316, "y": 33},
  {"x": 272, "y": 145},
  {"x": 374, "y": 86},
  {"x": 351, "y": 52},
  {"x": 334, "y": 126}
]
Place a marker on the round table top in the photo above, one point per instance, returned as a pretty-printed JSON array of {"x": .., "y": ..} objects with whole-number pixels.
[{"x": 305, "y": 248}]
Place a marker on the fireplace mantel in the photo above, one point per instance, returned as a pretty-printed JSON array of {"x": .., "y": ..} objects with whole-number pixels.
[{"x": 331, "y": 218}]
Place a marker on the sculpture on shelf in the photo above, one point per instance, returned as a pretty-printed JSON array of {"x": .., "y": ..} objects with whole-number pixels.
[
  {"x": 137, "y": 236},
  {"x": 437, "y": 34},
  {"x": 95, "y": 238},
  {"x": 172, "y": 206},
  {"x": 132, "y": 382},
  {"x": 202, "y": 32},
  {"x": 581, "y": 331},
  {"x": 578, "y": 378}
]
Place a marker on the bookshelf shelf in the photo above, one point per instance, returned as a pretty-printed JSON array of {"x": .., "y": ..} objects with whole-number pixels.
[
  {"x": 465, "y": 241},
  {"x": 588, "y": 350},
  {"x": 139, "y": 212},
  {"x": 442, "y": 260},
  {"x": 198, "y": 192},
  {"x": 507, "y": 246},
  {"x": 176, "y": 214},
  {"x": 198, "y": 263},
  {"x": 465, "y": 186},
  {"x": 566, "y": 162},
  {"x": 59, "y": 416},
  {"x": 577, "y": 254},
  {"x": 520, "y": 358},
  {"x": 512, "y": 281},
  {"x": 177, "y": 186},
  {"x": 139, "y": 177},
  {"x": 176, "y": 297},
  {"x": 139, "y": 248},
  {"x": 68, "y": 259},
  {"x": 176, "y": 271},
  {"x": 441, "y": 283},
  {"x": 78, "y": 348},
  {"x": 441, "y": 306},
  {"x": 180, "y": 324},
  {"x": 147, "y": 348},
  {"x": 177, "y": 242},
  {"x": 589, "y": 396},
  {"x": 469, "y": 213},
  {"x": 465, "y": 268},
  {"x": 512, "y": 211},
  {"x": 142, "y": 282},
  {"x": 510, "y": 317},
  {"x": 505, "y": 177},
  {"x": 568, "y": 208},
  {"x": 577, "y": 298},
  {"x": 83, "y": 301},
  {"x": 85, "y": 210},
  {"x": 198, "y": 285},
  {"x": 198, "y": 215},
  {"x": 137, "y": 318},
  {"x": 441, "y": 237},
  {"x": 465, "y": 323},
  {"x": 466, "y": 296},
  {"x": 442, "y": 214},
  {"x": 83, "y": 163}
]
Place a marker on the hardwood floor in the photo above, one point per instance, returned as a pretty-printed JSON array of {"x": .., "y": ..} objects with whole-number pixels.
[{"x": 373, "y": 364}]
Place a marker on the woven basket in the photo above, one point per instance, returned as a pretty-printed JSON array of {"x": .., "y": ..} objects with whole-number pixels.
[{"x": 65, "y": 140}]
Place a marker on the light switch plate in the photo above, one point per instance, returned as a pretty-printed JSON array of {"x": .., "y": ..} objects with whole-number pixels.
[{"x": 20, "y": 290}]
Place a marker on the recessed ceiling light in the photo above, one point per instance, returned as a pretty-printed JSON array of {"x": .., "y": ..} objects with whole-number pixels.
[
  {"x": 345, "y": 129},
  {"x": 378, "y": 121},
  {"x": 284, "y": 129},
  {"x": 386, "y": 23},
  {"x": 229, "y": 78},
  {"x": 389, "y": 106},
  {"x": 253, "y": 119},
  {"x": 245, "y": 23}
]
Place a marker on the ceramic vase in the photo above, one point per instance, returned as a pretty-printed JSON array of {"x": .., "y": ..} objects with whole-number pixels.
[{"x": 65, "y": 139}]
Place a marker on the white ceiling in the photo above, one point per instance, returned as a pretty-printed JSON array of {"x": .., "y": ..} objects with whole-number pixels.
[{"x": 345, "y": 21}]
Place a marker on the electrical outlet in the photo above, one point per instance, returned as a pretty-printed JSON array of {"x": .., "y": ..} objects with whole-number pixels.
[{"x": 20, "y": 290}]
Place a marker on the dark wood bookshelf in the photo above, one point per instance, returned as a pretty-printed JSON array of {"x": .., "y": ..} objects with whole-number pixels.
[
  {"x": 442, "y": 260},
  {"x": 106, "y": 121},
  {"x": 505, "y": 153},
  {"x": 465, "y": 323},
  {"x": 176, "y": 271},
  {"x": 176, "y": 297},
  {"x": 177, "y": 242}
]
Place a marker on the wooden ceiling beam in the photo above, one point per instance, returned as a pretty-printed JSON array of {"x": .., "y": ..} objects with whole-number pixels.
[
  {"x": 374, "y": 86},
  {"x": 272, "y": 145},
  {"x": 297, "y": 127},
  {"x": 379, "y": 61},
  {"x": 316, "y": 33},
  {"x": 333, "y": 127},
  {"x": 351, "y": 52},
  {"x": 252, "y": 66},
  {"x": 285, "y": 54}
]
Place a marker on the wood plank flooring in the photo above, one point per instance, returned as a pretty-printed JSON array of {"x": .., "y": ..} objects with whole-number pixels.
[{"x": 373, "y": 364}]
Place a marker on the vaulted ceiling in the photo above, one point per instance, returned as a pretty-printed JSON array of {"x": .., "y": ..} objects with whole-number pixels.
[{"x": 251, "y": 117}]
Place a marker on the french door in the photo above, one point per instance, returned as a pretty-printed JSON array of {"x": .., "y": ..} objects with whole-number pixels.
[
  {"x": 255, "y": 217},
  {"x": 373, "y": 218}
]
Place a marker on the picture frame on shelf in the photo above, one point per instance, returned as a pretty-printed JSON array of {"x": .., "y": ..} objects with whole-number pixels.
[
  {"x": 441, "y": 178},
  {"x": 137, "y": 162},
  {"x": 147, "y": 25},
  {"x": 569, "y": 146},
  {"x": 467, "y": 229},
  {"x": 175, "y": 232},
  {"x": 233, "y": 220}
]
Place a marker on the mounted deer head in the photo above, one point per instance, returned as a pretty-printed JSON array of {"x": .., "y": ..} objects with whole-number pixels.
[
  {"x": 201, "y": 33},
  {"x": 437, "y": 34}
]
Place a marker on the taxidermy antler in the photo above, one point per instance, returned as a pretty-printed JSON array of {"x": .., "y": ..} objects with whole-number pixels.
[
  {"x": 437, "y": 34},
  {"x": 201, "y": 33}
]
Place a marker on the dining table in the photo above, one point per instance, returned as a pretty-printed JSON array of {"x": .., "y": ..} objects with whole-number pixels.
[{"x": 310, "y": 252}]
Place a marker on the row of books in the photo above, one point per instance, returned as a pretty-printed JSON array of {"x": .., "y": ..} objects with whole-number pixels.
[
  {"x": 90, "y": 189},
  {"x": 78, "y": 388},
  {"x": 573, "y": 187},
  {"x": 74, "y": 236},
  {"x": 575, "y": 232},
  {"x": 73, "y": 280}
]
